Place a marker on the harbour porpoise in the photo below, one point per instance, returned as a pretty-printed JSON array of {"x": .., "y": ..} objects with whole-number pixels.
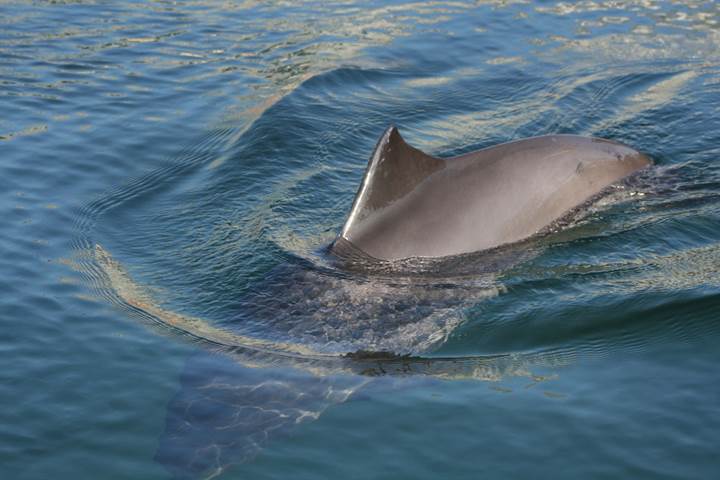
[
  {"x": 411, "y": 204},
  {"x": 304, "y": 339}
]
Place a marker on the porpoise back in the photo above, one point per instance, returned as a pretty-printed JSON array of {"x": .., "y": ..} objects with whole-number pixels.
[{"x": 411, "y": 204}]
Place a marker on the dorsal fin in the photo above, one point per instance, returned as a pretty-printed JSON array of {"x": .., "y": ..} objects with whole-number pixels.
[{"x": 394, "y": 170}]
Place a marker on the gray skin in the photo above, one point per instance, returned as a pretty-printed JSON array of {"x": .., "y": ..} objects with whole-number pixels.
[
  {"x": 411, "y": 204},
  {"x": 268, "y": 381}
]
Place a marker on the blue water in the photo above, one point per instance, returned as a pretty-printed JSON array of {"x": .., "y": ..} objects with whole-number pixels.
[{"x": 171, "y": 173}]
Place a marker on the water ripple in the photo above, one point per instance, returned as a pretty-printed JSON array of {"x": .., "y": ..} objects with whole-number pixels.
[{"x": 193, "y": 160}]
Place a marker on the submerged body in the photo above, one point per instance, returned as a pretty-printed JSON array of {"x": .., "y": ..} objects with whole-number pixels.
[
  {"x": 411, "y": 204},
  {"x": 306, "y": 338}
]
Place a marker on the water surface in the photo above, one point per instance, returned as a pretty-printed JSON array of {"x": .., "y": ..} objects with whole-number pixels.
[{"x": 172, "y": 173}]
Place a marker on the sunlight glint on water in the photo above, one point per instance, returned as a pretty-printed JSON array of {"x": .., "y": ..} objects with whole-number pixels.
[{"x": 172, "y": 173}]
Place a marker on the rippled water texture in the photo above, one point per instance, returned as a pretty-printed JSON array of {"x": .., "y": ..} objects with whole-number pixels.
[{"x": 172, "y": 173}]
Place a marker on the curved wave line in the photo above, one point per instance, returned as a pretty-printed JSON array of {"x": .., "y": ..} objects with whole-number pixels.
[{"x": 134, "y": 296}]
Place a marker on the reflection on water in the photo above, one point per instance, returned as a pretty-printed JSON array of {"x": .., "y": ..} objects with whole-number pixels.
[{"x": 192, "y": 161}]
